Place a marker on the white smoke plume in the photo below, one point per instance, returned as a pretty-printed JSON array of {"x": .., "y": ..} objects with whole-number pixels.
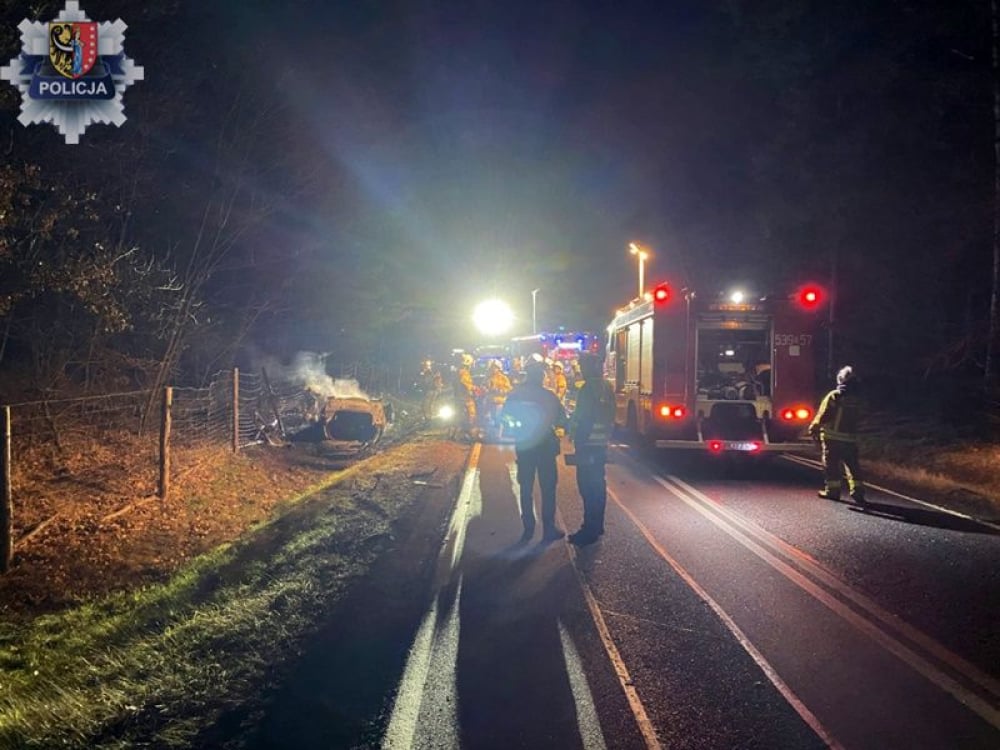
[{"x": 309, "y": 369}]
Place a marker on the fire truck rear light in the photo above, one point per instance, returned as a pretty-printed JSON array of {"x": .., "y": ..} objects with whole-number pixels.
[
  {"x": 662, "y": 293},
  {"x": 715, "y": 445},
  {"x": 672, "y": 412},
  {"x": 796, "y": 413},
  {"x": 810, "y": 297}
]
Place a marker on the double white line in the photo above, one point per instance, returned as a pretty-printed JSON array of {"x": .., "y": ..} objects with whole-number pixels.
[{"x": 950, "y": 672}]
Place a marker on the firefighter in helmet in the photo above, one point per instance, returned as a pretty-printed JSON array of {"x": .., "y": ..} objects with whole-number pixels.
[
  {"x": 466, "y": 396},
  {"x": 836, "y": 427},
  {"x": 497, "y": 387},
  {"x": 559, "y": 382}
]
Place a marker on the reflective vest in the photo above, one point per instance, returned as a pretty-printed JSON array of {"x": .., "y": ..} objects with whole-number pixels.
[{"x": 839, "y": 416}]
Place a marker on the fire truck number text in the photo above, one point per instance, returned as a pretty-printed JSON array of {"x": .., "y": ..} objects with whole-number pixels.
[{"x": 792, "y": 339}]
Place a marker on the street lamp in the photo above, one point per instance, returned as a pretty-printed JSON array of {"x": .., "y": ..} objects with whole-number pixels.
[
  {"x": 634, "y": 249},
  {"x": 534, "y": 296}
]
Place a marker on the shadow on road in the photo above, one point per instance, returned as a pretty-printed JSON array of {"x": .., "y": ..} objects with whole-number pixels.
[{"x": 924, "y": 517}]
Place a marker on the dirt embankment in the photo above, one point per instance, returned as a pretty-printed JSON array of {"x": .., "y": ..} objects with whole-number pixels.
[{"x": 82, "y": 543}]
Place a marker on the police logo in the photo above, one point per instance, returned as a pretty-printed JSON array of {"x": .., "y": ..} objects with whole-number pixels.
[
  {"x": 73, "y": 48},
  {"x": 72, "y": 72}
]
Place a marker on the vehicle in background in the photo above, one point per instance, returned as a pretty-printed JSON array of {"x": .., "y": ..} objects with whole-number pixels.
[
  {"x": 559, "y": 346},
  {"x": 722, "y": 373}
]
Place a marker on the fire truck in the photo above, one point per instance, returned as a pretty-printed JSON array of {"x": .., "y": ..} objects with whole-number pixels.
[
  {"x": 558, "y": 346},
  {"x": 720, "y": 373}
]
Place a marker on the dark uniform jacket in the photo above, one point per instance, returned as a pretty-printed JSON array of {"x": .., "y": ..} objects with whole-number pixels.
[
  {"x": 531, "y": 414},
  {"x": 594, "y": 416}
]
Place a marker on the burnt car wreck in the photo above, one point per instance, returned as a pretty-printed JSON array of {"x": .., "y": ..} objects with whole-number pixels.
[{"x": 354, "y": 420}]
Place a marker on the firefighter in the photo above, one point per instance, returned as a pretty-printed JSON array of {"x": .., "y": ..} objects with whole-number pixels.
[
  {"x": 559, "y": 382},
  {"x": 532, "y": 414},
  {"x": 590, "y": 430},
  {"x": 465, "y": 396},
  {"x": 430, "y": 385},
  {"x": 497, "y": 387},
  {"x": 836, "y": 427},
  {"x": 549, "y": 378}
]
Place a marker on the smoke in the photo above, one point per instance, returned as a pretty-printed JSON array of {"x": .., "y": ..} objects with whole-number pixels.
[{"x": 309, "y": 370}]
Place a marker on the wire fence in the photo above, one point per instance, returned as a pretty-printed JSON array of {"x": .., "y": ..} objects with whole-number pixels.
[{"x": 107, "y": 450}]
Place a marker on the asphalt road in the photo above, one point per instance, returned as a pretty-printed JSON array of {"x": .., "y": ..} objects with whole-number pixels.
[{"x": 723, "y": 608}]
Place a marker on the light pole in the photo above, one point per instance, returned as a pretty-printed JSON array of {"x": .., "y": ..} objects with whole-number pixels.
[
  {"x": 634, "y": 249},
  {"x": 534, "y": 297}
]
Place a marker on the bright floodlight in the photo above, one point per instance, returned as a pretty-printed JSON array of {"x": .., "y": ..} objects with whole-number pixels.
[
  {"x": 737, "y": 297},
  {"x": 493, "y": 317}
]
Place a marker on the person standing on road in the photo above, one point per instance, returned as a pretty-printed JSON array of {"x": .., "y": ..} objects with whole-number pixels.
[
  {"x": 836, "y": 427},
  {"x": 430, "y": 386},
  {"x": 590, "y": 430},
  {"x": 532, "y": 414},
  {"x": 465, "y": 395}
]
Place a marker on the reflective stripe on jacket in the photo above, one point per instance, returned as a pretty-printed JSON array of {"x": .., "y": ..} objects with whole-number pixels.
[{"x": 839, "y": 416}]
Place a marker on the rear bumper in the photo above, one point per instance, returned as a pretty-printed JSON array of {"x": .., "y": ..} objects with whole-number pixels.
[{"x": 738, "y": 446}]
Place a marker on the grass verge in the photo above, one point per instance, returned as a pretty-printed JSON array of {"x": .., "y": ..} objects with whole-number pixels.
[{"x": 166, "y": 660}]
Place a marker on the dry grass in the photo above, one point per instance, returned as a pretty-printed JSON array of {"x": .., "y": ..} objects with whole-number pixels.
[
  {"x": 957, "y": 472},
  {"x": 161, "y": 662}
]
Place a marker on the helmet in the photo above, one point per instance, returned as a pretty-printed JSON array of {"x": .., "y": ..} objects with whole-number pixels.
[
  {"x": 467, "y": 360},
  {"x": 496, "y": 363},
  {"x": 846, "y": 375},
  {"x": 557, "y": 365}
]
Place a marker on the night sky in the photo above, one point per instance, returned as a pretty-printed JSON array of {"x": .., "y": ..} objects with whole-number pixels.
[{"x": 418, "y": 157}]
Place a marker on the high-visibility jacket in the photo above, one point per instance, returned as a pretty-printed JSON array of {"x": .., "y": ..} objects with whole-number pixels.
[
  {"x": 463, "y": 384},
  {"x": 498, "y": 386},
  {"x": 839, "y": 415}
]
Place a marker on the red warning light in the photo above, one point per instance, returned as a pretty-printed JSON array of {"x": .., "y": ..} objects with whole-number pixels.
[
  {"x": 715, "y": 445},
  {"x": 810, "y": 296},
  {"x": 674, "y": 412},
  {"x": 800, "y": 413},
  {"x": 662, "y": 293}
]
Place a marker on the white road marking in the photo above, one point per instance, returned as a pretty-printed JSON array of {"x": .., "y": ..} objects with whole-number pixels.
[
  {"x": 586, "y": 713},
  {"x": 944, "y": 681},
  {"x": 812, "y": 464},
  {"x": 646, "y": 727},
  {"x": 813, "y": 568},
  {"x": 793, "y": 700},
  {"x": 512, "y": 468},
  {"x": 435, "y": 647}
]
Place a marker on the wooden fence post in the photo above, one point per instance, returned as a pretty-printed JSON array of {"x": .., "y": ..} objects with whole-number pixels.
[
  {"x": 6, "y": 498},
  {"x": 236, "y": 410},
  {"x": 168, "y": 401}
]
